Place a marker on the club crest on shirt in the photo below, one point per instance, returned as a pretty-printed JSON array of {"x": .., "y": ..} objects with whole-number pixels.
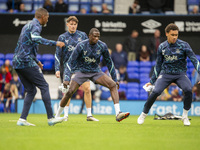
[
  {"x": 163, "y": 52},
  {"x": 85, "y": 52},
  {"x": 178, "y": 51},
  {"x": 79, "y": 39},
  {"x": 98, "y": 52}
]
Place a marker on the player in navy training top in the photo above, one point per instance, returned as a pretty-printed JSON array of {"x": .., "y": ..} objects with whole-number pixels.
[
  {"x": 71, "y": 38},
  {"x": 86, "y": 59},
  {"x": 171, "y": 67},
  {"x": 28, "y": 67}
]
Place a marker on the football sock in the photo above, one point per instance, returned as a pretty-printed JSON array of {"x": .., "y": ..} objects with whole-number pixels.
[
  {"x": 117, "y": 108},
  {"x": 89, "y": 110},
  {"x": 60, "y": 110},
  {"x": 185, "y": 113},
  {"x": 66, "y": 109}
]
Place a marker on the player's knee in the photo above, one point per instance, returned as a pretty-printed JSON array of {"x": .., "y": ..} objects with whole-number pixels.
[
  {"x": 112, "y": 85},
  {"x": 87, "y": 89}
]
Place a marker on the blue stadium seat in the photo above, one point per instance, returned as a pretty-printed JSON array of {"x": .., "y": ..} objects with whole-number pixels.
[
  {"x": 153, "y": 63},
  {"x": 133, "y": 64},
  {"x": 132, "y": 85},
  {"x": 39, "y": 57},
  {"x": 133, "y": 90},
  {"x": 123, "y": 85},
  {"x": 1, "y": 107},
  {"x": 2, "y": 56},
  {"x": 1, "y": 62},
  {"x": 132, "y": 70},
  {"x": 48, "y": 61},
  {"x": 144, "y": 70},
  {"x": 193, "y": 2},
  {"x": 144, "y": 80},
  {"x": 144, "y": 75},
  {"x": 145, "y": 64},
  {"x": 49, "y": 57},
  {"x": 9, "y": 56},
  {"x": 133, "y": 75},
  {"x": 48, "y": 65},
  {"x": 122, "y": 89},
  {"x": 132, "y": 96},
  {"x": 12, "y": 107},
  {"x": 103, "y": 69},
  {"x": 143, "y": 96},
  {"x": 73, "y": 7}
]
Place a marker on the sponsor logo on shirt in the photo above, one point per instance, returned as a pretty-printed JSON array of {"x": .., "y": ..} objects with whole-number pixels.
[
  {"x": 70, "y": 48},
  {"x": 88, "y": 59},
  {"x": 170, "y": 58}
]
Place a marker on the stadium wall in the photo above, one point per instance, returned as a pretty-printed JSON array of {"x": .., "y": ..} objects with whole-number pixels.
[
  {"x": 107, "y": 107},
  {"x": 113, "y": 28}
]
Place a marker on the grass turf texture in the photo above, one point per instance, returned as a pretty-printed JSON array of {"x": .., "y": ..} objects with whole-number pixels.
[{"x": 107, "y": 134}]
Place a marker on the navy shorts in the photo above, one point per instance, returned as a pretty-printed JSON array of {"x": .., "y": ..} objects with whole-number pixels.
[{"x": 81, "y": 77}]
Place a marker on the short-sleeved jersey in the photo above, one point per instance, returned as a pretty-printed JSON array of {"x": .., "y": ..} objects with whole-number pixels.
[
  {"x": 25, "y": 54},
  {"x": 87, "y": 59},
  {"x": 172, "y": 59},
  {"x": 70, "y": 40}
]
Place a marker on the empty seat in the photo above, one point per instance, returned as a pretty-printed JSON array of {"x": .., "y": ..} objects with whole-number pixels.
[
  {"x": 48, "y": 61},
  {"x": 143, "y": 96},
  {"x": 132, "y": 70},
  {"x": 123, "y": 85},
  {"x": 132, "y": 85},
  {"x": 144, "y": 70},
  {"x": 133, "y": 75},
  {"x": 39, "y": 57},
  {"x": 133, "y": 90},
  {"x": 103, "y": 69},
  {"x": 1, "y": 62},
  {"x": 2, "y": 56},
  {"x": 9, "y": 56},
  {"x": 145, "y": 64},
  {"x": 132, "y": 96},
  {"x": 193, "y": 2},
  {"x": 133, "y": 64}
]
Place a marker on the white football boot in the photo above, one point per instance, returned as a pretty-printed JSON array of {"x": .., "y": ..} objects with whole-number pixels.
[{"x": 141, "y": 118}]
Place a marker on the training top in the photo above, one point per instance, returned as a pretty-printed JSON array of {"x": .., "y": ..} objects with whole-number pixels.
[
  {"x": 87, "y": 59},
  {"x": 172, "y": 59},
  {"x": 27, "y": 46},
  {"x": 70, "y": 40}
]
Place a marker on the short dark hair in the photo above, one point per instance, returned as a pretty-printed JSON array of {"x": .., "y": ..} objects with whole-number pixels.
[
  {"x": 72, "y": 18},
  {"x": 93, "y": 30},
  {"x": 171, "y": 26},
  {"x": 40, "y": 12}
]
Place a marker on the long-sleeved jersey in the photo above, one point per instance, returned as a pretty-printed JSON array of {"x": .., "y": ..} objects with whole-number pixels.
[
  {"x": 172, "y": 59},
  {"x": 70, "y": 40},
  {"x": 27, "y": 45},
  {"x": 86, "y": 58}
]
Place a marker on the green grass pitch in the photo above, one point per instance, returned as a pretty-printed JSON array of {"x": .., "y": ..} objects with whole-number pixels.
[{"x": 107, "y": 134}]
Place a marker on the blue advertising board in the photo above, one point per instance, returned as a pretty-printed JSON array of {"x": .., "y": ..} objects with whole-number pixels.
[{"x": 107, "y": 107}]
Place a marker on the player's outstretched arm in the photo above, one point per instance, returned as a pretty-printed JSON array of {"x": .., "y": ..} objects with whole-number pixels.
[{"x": 60, "y": 44}]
